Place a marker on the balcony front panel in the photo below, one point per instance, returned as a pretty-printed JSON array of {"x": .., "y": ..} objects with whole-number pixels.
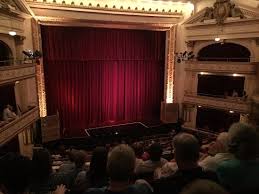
[
  {"x": 9, "y": 74},
  {"x": 237, "y": 105},
  {"x": 222, "y": 67},
  {"x": 10, "y": 130}
]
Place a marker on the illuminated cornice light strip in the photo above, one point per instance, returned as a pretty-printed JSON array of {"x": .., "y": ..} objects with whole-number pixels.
[{"x": 126, "y": 5}]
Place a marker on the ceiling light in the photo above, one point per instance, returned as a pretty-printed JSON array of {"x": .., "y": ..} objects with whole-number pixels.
[
  {"x": 12, "y": 33},
  {"x": 199, "y": 106},
  {"x": 203, "y": 73},
  {"x": 235, "y": 75},
  {"x": 231, "y": 111},
  {"x": 217, "y": 39}
]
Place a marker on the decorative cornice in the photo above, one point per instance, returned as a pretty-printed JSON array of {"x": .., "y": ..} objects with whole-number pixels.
[
  {"x": 119, "y": 6},
  {"x": 221, "y": 67},
  {"x": 13, "y": 128},
  {"x": 9, "y": 74},
  {"x": 218, "y": 103}
]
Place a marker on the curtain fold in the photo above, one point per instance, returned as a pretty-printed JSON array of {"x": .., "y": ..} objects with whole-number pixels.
[{"x": 97, "y": 77}]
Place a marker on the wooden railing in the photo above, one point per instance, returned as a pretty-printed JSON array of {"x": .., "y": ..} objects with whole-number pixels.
[
  {"x": 10, "y": 130},
  {"x": 14, "y": 73}
]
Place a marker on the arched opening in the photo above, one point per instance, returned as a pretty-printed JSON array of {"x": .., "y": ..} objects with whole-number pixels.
[
  {"x": 5, "y": 54},
  {"x": 224, "y": 52}
]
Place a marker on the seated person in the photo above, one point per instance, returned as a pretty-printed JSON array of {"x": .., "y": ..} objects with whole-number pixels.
[
  {"x": 120, "y": 168},
  {"x": 186, "y": 149},
  {"x": 220, "y": 148},
  {"x": 14, "y": 173},
  {"x": 155, "y": 161},
  {"x": 241, "y": 174},
  {"x": 138, "y": 149},
  {"x": 96, "y": 176},
  {"x": 8, "y": 113}
]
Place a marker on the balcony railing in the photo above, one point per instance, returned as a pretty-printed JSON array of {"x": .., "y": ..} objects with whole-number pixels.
[
  {"x": 14, "y": 73},
  {"x": 221, "y": 67},
  {"x": 11, "y": 129},
  {"x": 233, "y": 104}
]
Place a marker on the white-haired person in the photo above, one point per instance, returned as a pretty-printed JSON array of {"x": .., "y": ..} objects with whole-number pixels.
[
  {"x": 240, "y": 175},
  {"x": 220, "y": 147},
  {"x": 186, "y": 151},
  {"x": 120, "y": 168}
]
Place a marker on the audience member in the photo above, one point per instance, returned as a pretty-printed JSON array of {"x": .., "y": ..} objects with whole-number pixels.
[
  {"x": 15, "y": 171},
  {"x": 234, "y": 94},
  {"x": 186, "y": 149},
  {"x": 139, "y": 150},
  {"x": 43, "y": 180},
  {"x": 220, "y": 148},
  {"x": 120, "y": 167},
  {"x": 203, "y": 187},
  {"x": 241, "y": 174},
  {"x": 69, "y": 165},
  {"x": 8, "y": 113},
  {"x": 155, "y": 161},
  {"x": 97, "y": 175}
]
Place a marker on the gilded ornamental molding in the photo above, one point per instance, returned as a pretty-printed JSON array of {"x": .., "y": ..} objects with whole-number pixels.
[
  {"x": 14, "y": 73},
  {"x": 221, "y": 67},
  {"x": 218, "y": 103},
  {"x": 13, "y": 128}
]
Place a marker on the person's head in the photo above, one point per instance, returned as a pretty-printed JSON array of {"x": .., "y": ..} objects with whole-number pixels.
[
  {"x": 155, "y": 152},
  {"x": 186, "y": 150},
  {"x": 79, "y": 158},
  {"x": 42, "y": 163},
  {"x": 15, "y": 171},
  {"x": 99, "y": 161},
  {"x": 243, "y": 141},
  {"x": 222, "y": 142},
  {"x": 138, "y": 149},
  {"x": 203, "y": 187},
  {"x": 121, "y": 163}
]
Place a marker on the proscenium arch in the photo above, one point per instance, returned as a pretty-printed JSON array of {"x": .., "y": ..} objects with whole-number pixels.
[
  {"x": 5, "y": 54},
  {"x": 224, "y": 52}
]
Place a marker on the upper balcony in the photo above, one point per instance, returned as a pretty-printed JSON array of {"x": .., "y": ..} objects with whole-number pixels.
[
  {"x": 230, "y": 103},
  {"x": 221, "y": 67},
  {"x": 11, "y": 129},
  {"x": 14, "y": 73}
]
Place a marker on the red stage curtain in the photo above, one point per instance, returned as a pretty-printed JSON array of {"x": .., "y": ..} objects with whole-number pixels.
[{"x": 96, "y": 77}]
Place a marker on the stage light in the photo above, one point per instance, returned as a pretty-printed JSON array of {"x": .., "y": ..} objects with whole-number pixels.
[{"x": 12, "y": 33}]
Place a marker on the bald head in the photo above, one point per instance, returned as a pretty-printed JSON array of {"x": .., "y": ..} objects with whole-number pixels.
[{"x": 186, "y": 149}]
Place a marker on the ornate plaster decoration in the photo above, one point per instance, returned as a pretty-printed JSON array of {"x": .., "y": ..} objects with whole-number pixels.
[
  {"x": 219, "y": 103},
  {"x": 10, "y": 74},
  {"x": 140, "y": 6},
  {"x": 221, "y": 67},
  {"x": 170, "y": 66},
  {"x": 39, "y": 70}
]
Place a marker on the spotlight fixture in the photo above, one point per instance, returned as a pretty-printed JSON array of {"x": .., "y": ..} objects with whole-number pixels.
[
  {"x": 12, "y": 33},
  {"x": 32, "y": 55},
  {"x": 184, "y": 56}
]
